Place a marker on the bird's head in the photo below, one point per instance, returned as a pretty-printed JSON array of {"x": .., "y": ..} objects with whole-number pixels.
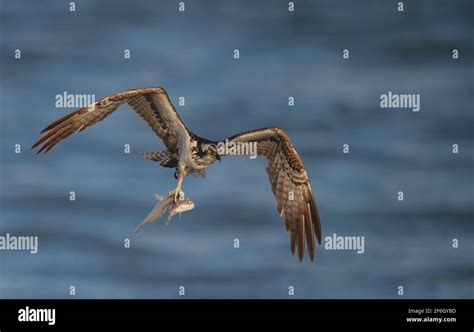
[{"x": 208, "y": 153}]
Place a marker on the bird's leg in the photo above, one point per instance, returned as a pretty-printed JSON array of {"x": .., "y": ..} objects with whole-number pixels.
[
  {"x": 181, "y": 175},
  {"x": 177, "y": 191}
]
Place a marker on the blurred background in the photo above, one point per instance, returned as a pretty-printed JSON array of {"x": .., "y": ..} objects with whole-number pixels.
[{"x": 282, "y": 54}]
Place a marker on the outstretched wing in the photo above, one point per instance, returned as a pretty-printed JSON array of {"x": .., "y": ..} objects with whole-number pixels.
[
  {"x": 152, "y": 104},
  {"x": 290, "y": 185}
]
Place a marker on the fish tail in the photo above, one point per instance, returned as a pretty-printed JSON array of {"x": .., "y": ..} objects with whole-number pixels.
[{"x": 157, "y": 211}]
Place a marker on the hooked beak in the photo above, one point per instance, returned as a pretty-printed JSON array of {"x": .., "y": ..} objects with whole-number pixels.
[{"x": 218, "y": 157}]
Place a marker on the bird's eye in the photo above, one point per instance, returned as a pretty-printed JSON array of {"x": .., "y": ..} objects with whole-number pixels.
[{"x": 209, "y": 151}]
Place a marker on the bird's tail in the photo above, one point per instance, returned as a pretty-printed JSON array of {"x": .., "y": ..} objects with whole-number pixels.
[{"x": 164, "y": 157}]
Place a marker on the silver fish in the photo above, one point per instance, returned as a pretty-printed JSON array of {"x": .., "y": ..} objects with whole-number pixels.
[
  {"x": 182, "y": 205},
  {"x": 179, "y": 207}
]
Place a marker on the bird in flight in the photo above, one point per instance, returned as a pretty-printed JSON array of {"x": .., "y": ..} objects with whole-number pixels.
[{"x": 191, "y": 154}]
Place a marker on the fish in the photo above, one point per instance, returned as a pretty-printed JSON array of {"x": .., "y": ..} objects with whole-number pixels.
[
  {"x": 182, "y": 205},
  {"x": 179, "y": 207}
]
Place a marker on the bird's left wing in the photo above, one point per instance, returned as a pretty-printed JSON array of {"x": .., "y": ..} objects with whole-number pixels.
[
  {"x": 152, "y": 104},
  {"x": 290, "y": 185}
]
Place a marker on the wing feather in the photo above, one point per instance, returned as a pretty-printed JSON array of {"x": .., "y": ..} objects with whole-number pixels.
[
  {"x": 300, "y": 237},
  {"x": 151, "y": 104},
  {"x": 309, "y": 231},
  {"x": 290, "y": 185}
]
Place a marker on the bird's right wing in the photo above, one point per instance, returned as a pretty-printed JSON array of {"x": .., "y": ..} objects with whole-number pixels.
[
  {"x": 290, "y": 186},
  {"x": 152, "y": 104}
]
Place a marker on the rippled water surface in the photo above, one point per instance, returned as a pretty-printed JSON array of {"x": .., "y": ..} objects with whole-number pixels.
[{"x": 282, "y": 54}]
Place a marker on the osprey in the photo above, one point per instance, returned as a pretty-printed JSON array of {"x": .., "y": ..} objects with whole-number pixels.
[{"x": 190, "y": 154}]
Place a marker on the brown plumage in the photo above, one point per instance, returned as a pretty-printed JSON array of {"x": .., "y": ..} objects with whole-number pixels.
[
  {"x": 288, "y": 178},
  {"x": 152, "y": 104},
  {"x": 290, "y": 185}
]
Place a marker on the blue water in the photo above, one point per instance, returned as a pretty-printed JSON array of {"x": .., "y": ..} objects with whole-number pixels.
[{"x": 81, "y": 243}]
